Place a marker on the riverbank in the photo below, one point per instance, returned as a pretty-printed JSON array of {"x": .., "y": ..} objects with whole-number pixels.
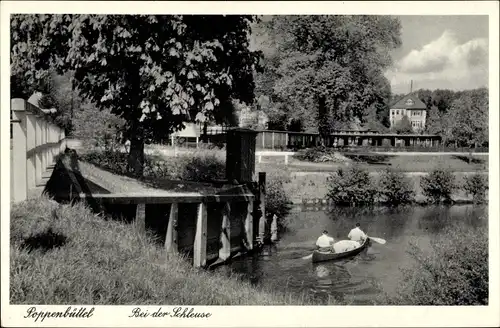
[
  {"x": 304, "y": 187},
  {"x": 62, "y": 254}
]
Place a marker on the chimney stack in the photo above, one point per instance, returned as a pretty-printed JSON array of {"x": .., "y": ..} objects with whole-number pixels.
[{"x": 411, "y": 86}]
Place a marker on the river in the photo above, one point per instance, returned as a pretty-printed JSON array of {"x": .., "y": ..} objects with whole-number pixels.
[{"x": 360, "y": 279}]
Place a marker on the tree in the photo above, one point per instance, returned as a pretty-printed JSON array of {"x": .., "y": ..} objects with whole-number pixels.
[
  {"x": 403, "y": 126},
  {"x": 154, "y": 71},
  {"x": 468, "y": 119},
  {"x": 433, "y": 124},
  {"x": 330, "y": 68}
]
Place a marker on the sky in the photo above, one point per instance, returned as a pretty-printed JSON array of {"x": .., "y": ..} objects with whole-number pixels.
[{"x": 441, "y": 52}]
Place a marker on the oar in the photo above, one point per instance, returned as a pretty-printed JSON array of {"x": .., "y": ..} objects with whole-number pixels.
[{"x": 377, "y": 240}]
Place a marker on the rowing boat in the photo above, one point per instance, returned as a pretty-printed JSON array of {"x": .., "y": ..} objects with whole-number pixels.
[{"x": 330, "y": 256}]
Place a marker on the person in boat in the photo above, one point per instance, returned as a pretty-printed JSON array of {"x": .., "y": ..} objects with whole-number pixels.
[
  {"x": 325, "y": 242},
  {"x": 357, "y": 234}
]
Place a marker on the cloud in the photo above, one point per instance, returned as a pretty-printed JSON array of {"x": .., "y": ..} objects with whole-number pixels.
[{"x": 444, "y": 63}]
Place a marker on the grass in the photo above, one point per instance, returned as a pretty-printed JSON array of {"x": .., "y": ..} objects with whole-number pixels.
[
  {"x": 63, "y": 254},
  {"x": 406, "y": 163}
]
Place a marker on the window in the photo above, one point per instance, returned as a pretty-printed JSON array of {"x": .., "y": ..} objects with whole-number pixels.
[{"x": 397, "y": 112}]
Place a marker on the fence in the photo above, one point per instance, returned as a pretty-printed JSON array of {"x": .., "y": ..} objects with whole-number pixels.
[{"x": 36, "y": 140}]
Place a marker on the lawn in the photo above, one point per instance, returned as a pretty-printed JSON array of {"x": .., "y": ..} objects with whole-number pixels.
[{"x": 376, "y": 162}]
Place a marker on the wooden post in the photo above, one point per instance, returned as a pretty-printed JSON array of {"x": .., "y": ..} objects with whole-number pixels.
[
  {"x": 200, "y": 239},
  {"x": 263, "y": 139},
  {"x": 171, "y": 242},
  {"x": 274, "y": 228},
  {"x": 20, "y": 192},
  {"x": 286, "y": 140},
  {"x": 225, "y": 234},
  {"x": 249, "y": 226},
  {"x": 31, "y": 144},
  {"x": 272, "y": 140},
  {"x": 286, "y": 159},
  {"x": 140, "y": 216},
  {"x": 262, "y": 201}
]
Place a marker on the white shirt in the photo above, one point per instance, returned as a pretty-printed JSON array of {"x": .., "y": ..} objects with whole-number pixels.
[
  {"x": 356, "y": 234},
  {"x": 324, "y": 241}
]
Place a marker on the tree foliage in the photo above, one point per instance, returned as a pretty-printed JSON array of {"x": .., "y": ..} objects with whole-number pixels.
[
  {"x": 329, "y": 69},
  {"x": 467, "y": 120},
  {"x": 403, "y": 126},
  {"x": 154, "y": 71}
]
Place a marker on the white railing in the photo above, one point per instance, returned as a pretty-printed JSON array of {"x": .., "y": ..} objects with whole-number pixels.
[{"x": 36, "y": 140}]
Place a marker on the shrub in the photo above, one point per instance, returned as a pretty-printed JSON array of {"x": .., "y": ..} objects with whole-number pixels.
[
  {"x": 320, "y": 154},
  {"x": 195, "y": 167},
  {"x": 277, "y": 199},
  {"x": 351, "y": 186},
  {"x": 476, "y": 185},
  {"x": 438, "y": 185},
  {"x": 395, "y": 188},
  {"x": 453, "y": 272}
]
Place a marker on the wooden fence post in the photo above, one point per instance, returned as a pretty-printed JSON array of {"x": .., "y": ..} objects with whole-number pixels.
[
  {"x": 262, "y": 202},
  {"x": 274, "y": 228},
  {"x": 225, "y": 234},
  {"x": 20, "y": 192},
  {"x": 171, "y": 243},
  {"x": 249, "y": 226},
  {"x": 200, "y": 239}
]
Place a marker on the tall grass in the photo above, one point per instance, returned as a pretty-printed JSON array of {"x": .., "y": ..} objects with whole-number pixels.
[{"x": 104, "y": 262}]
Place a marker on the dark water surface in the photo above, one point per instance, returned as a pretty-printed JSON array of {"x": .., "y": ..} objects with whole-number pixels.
[{"x": 360, "y": 279}]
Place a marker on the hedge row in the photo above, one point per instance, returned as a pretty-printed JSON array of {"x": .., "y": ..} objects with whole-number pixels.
[{"x": 354, "y": 186}]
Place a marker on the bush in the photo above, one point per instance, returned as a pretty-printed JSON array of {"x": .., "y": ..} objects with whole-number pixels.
[
  {"x": 453, "y": 272},
  {"x": 438, "y": 185},
  {"x": 394, "y": 188},
  {"x": 351, "y": 186},
  {"x": 277, "y": 199},
  {"x": 320, "y": 154},
  {"x": 476, "y": 185},
  {"x": 197, "y": 167}
]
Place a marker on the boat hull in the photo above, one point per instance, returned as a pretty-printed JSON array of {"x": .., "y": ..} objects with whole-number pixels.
[{"x": 328, "y": 256}]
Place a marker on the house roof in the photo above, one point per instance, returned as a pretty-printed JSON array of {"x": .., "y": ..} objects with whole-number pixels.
[{"x": 410, "y": 101}]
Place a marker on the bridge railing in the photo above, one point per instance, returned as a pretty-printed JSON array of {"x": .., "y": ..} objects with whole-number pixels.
[{"x": 36, "y": 141}]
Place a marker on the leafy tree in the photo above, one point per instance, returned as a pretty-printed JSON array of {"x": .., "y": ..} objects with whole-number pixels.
[
  {"x": 329, "y": 69},
  {"x": 154, "y": 71},
  {"x": 433, "y": 124},
  {"x": 403, "y": 126},
  {"x": 467, "y": 120}
]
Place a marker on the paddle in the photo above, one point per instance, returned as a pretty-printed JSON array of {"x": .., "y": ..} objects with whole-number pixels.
[
  {"x": 377, "y": 240},
  {"x": 307, "y": 257}
]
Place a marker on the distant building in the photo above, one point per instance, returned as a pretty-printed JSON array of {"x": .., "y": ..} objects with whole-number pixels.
[
  {"x": 249, "y": 118},
  {"x": 413, "y": 108}
]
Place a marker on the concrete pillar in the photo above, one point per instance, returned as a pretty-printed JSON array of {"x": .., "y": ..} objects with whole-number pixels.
[
  {"x": 20, "y": 192},
  {"x": 31, "y": 145}
]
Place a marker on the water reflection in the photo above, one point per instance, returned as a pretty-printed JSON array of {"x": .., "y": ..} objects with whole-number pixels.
[{"x": 362, "y": 278}]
